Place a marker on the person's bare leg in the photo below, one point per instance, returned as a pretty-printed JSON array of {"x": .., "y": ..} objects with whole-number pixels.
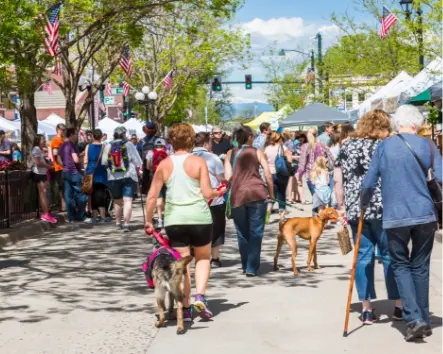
[
  {"x": 118, "y": 210},
  {"x": 160, "y": 207},
  {"x": 127, "y": 209},
  {"x": 215, "y": 252},
  {"x": 289, "y": 190},
  {"x": 300, "y": 191},
  {"x": 102, "y": 212},
  {"x": 42, "y": 197},
  {"x": 202, "y": 267},
  {"x": 186, "y": 251}
]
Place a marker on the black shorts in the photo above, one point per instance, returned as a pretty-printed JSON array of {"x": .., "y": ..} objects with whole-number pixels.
[
  {"x": 219, "y": 224},
  {"x": 39, "y": 178},
  {"x": 57, "y": 176},
  {"x": 189, "y": 235}
]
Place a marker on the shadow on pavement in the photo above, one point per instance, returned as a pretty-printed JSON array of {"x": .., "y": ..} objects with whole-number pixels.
[{"x": 384, "y": 310}]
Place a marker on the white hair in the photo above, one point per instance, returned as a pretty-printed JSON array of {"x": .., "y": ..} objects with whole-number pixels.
[{"x": 407, "y": 116}]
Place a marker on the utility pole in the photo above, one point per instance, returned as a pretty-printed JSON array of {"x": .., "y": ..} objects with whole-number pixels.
[
  {"x": 320, "y": 63},
  {"x": 92, "y": 107}
]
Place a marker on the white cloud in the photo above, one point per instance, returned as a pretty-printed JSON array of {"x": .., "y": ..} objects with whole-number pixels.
[{"x": 283, "y": 32}]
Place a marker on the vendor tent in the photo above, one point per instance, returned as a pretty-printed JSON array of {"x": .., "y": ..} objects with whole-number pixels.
[
  {"x": 53, "y": 119},
  {"x": 393, "y": 87},
  {"x": 426, "y": 78},
  {"x": 314, "y": 114},
  {"x": 262, "y": 118},
  {"x": 7, "y": 125},
  {"x": 431, "y": 94},
  {"x": 107, "y": 126},
  {"x": 135, "y": 126}
]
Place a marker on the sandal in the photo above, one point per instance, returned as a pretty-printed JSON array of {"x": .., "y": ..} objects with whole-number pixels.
[{"x": 306, "y": 202}]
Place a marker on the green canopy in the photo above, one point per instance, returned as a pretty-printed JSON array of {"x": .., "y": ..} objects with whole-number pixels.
[
  {"x": 432, "y": 93},
  {"x": 421, "y": 98}
]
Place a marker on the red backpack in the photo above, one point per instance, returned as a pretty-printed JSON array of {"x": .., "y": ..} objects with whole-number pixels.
[{"x": 159, "y": 156}]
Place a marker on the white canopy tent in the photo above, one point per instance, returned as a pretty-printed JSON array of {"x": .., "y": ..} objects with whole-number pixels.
[
  {"x": 53, "y": 119},
  {"x": 7, "y": 125},
  {"x": 107, "y": 126},
  {"x": 202, "y": 128},
  {"x": 135, "y": 126},
  {"x": 429, "y": 76},
  {"x": 394, "y": 86}
]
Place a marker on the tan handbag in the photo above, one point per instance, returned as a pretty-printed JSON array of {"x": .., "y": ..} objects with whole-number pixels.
[{"x": 89, "y": 179}]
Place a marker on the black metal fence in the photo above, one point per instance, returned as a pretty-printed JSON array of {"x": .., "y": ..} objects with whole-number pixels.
[{"x": 19, "y": 198}]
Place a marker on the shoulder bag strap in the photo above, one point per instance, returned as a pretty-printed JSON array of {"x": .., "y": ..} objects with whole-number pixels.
[
  {"x": 99, "y": 158},
  {"x": 413, "y": 153},
  {"x": 235, "y": 157}
]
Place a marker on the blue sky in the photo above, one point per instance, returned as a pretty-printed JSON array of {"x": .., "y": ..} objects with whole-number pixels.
[{"x": 289, "y": 24}]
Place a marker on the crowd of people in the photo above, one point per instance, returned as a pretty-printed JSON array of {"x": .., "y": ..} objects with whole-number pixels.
[{"x": 193, "y": 182}]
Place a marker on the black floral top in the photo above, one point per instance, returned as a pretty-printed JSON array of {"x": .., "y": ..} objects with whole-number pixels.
[{"x": 354, "y": 159}]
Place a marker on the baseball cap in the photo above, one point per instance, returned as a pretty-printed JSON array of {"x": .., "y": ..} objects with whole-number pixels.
[
  {"x": 159, "y": 142},
  {"x": 120, "y": 130}
]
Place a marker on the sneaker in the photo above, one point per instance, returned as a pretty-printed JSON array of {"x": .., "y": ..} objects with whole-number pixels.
[
  {"x": 415, "y": 331},
  {"x": 398, "y": 314},
  {"x": 118, "y": 226},
  {"x": 125, "y": 228},
  {"x": 215, "y": 263},
  {"x": 105, "y": 220},
  {"x": 49, "y": 218},
  {"x": 201, "y": 306},
  {"x": 427, "y": 332},
  {"x": 89, "y": 220},
  {"x": 368, "y": 317},
  {"x": 187, "y": 314}
]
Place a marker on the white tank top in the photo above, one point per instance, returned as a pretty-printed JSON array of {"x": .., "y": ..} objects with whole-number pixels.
[{"x": 185, "y": 204}]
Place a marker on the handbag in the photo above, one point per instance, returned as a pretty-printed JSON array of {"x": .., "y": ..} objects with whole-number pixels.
[
  {"x": 434, "y": 186},
  {"x": 228, "y": 194},
  {"x": 88, "y": 179},
  {"x": 282, "y": 166}
]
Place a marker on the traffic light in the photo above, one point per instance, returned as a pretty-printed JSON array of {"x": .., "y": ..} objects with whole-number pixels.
[
  {"x": 216, "y": 84},
  {"x": 248, "y": 82}
]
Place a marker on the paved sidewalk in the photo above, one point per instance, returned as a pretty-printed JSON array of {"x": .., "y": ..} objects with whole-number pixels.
[{"x": 81, "y": 290}]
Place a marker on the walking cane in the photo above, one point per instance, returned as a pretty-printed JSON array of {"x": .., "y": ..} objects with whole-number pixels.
[{"x": 354, "y": 266}]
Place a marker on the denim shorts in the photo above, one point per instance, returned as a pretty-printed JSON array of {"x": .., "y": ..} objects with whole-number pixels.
[{"x": 120, "y": 188}]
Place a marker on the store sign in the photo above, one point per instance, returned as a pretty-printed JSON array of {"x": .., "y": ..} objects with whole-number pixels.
[
  {"x": 108, "y": 100},
  {"x": 117, "y": 90}
]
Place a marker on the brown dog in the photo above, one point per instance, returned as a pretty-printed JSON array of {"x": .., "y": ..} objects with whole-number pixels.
[{"x": 307, "y": 228}]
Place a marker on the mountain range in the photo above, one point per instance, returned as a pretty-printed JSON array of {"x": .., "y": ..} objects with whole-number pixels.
[{"x": 251, "y": 107}]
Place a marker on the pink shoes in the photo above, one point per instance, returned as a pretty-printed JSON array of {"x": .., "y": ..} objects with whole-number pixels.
[{"x": 48, "y": 218}]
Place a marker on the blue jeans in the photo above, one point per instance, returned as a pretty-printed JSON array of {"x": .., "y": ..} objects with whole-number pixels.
[
  {"x": 280, "y": 185},
  {"x": 372, "y": 234},
  {"x": 412, "y": 269},
  {"x": 249, "y": 220},
  {"x": 311, "y": 186},
  {"x": 75, "y": 200}
]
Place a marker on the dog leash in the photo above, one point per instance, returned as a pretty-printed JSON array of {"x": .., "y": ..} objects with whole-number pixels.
[
  {"x": 219, "y": 188},
  {"x": 159, "y": 237}
]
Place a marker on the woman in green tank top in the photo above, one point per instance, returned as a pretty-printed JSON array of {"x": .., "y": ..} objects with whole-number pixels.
[{"x": 188, "y": 221}]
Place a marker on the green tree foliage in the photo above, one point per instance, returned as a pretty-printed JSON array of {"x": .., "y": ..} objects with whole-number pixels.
[
  {"x": 196, "y": 45},
  {"x": 361, "y": 52}
]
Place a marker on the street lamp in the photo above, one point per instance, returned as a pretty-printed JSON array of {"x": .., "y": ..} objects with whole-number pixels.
[
  {"x": 282, "y": 52},
  {"x": 146, "y": 98},
  {"x": 407, "y": 6}
]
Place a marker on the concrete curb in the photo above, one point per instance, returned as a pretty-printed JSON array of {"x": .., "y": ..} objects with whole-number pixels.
[{"x": 28, "y": 229}]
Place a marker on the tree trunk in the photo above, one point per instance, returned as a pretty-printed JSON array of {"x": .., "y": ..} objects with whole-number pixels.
[{"x": 28, "y": 115}]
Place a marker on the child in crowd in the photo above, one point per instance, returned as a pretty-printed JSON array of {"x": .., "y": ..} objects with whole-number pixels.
[
  {"x": 16, "y": 153},
  {"x": 322, "y": 190}
]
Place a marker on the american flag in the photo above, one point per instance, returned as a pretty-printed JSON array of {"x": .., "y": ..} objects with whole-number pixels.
[
  {"x": 51, "y": 27},
  {"x": 47, "y": 87},
  {"x": 58, "y": 66},
  {"x": 126, "y": 88},
  {"x": 387, "y": 21},
  {"x": 109, "y": 89},
  {"x": 167, "y": 81},
  {"x": 126, "y": 61}
]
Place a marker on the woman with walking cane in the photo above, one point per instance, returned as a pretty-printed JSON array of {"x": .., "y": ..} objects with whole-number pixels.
[
  {"x": 351, "y": 166},
  {"x": 404, "y": 164}
]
